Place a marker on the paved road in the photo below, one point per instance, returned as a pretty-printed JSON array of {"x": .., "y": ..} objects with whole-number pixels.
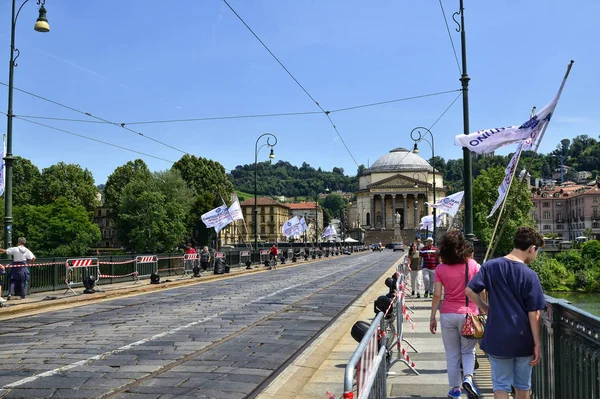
[{"x": 222, "y": 339}]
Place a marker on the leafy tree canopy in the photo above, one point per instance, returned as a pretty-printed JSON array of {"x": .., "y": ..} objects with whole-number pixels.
[
  {"x": 26, "y": 182},
  {"x": 69, "y": 181},
  {"x": 283, "y": 178},
  {"x": 60, "y": 228},
  {"x": 152, "y": 213},
  {"x": 334, "y": 204},
  {"x": 123, "y": 175},
  {"x": 485, "y": 193},
  {"x": 204, "y": 175}
]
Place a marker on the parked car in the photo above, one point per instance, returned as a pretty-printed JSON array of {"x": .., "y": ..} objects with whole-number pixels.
[{"x": 398, "y": 246}]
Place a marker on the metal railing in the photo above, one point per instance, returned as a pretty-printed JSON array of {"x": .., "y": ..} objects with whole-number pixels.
[
  {"x": 49, "y": 274},
  {"x": 367, "y": 366},
  {"x": 570, "y": 366}
]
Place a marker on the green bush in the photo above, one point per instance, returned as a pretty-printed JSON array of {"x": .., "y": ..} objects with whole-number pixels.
[
  {"x": 591, "y": 251},
  {"x": 570, "y": 259},
  {"x": 552, "y": 273}
]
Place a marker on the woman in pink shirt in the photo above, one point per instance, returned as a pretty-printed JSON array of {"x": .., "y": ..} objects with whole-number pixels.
[{"x": 450, "y": 274}]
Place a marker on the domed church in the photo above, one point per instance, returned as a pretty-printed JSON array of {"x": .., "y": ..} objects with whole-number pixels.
[{"x": 392, "y": 194}]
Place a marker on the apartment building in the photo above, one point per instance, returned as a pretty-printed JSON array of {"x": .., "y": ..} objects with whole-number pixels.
[{"x": 567, "y": 209}]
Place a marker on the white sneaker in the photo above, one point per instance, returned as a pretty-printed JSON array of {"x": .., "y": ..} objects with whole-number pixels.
[{"x": 2, "y": 299}]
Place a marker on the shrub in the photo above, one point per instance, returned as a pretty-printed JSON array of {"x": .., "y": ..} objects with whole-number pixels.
[
  {"x": 591, "y": 251},
  {"x": 552, "y": 273},
  {"x": 570, "y": 259}
]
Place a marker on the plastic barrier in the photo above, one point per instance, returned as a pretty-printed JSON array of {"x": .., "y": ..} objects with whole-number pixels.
[
  {"x": 144, "y": 266},
  {"x": 189, "y": 261},
  {"x": 78, "y": 270}
]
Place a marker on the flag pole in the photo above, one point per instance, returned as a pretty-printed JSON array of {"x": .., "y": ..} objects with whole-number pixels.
[
  {"x": 514, "y": 172},
  {"x": 487, "y": 252},
  {"x": 522, "y": 181}
]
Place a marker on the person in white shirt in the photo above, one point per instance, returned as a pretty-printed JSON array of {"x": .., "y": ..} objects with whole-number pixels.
[{"x": 19, "y": 274}]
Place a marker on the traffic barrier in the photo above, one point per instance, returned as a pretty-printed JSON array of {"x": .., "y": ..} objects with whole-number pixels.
[
  {"x": 367, "y": 366},
  {"x": 189, "y": 261},
  {"x": 78, "y": 270},
  {"x": 145, "y": 266},
  {"x": 401, "y": 315}
]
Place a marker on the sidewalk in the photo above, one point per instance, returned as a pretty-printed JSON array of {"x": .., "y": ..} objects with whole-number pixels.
[{"x": 321, "y": 367}]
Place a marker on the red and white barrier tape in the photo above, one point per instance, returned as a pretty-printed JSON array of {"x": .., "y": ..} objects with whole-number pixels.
[
  {"x": 117, "y": 263},
  {"x": 407, "y": 358},
  {"x": 124, "y": 275}
]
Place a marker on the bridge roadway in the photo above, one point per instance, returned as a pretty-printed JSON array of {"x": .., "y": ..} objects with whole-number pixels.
[{"x": 216, "y": 338}]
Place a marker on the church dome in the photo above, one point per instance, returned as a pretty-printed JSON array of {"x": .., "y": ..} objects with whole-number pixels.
[{"x": 399, "y": 160}]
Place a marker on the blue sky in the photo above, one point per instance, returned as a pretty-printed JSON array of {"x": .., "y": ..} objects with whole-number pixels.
[{"x": 131, "y": 61}]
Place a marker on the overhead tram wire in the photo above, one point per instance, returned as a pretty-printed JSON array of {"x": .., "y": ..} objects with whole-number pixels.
[
  {"x": 96, "y": 117},
  {"x": 90, "y": 138},
  {"x": 226, "y": 117},
  {"x": 450, "y": 36},
  {"x": 295, "y": 80},
  {"x": 436, "y": 121}
]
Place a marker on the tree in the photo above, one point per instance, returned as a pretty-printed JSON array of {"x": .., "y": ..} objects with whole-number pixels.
[
  {"x": 121, "y": 177},
  {"x": 60, "y": 228},
  {"x": 203, "y": 175},
  {"x": 152, "y": 213},
  {"x": 551, "y": 273},
  {"x": 334, "y": 204},
  {"x": 485, "y": 193},
  {"x": 589, "y": 233},
  {"x": 26, "y": 182},
  {"x": 69, "y": 181}
]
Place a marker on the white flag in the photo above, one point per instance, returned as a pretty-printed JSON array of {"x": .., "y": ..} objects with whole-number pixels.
[
  {"x": 291, "y": 227},
  {"x": 235, "y": 211},
  {"x": 485, "y": 141},
  {"x": 328, "y": 232},
  {"x": 217, "y": 218},
  {"x": 3, "y": 168},
  {"x": 303, "y": 225},
  {"x": 449, "y": 204},
  {"x": 508, "y": 174},
  {"x": 427, "y": 221}
]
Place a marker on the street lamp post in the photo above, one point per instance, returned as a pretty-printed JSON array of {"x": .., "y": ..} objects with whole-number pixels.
[
  {"x": 417, "y": 136},
  {"x": 271, "y": 156},
  {"x": 41, "y": 25},
  {"x": 467, "y": 168}
]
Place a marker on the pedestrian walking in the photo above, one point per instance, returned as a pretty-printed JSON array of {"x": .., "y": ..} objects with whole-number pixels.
[
  {"x": 512, "y": 333},
  {"x": 415, "y": 268},
  {"x": 431, "y": 258},
  {"x": 451, "y": 275},
  {"x": 19, "y": 273}
]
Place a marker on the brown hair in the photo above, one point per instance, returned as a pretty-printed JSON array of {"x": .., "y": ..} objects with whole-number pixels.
[
  {"x": 525, "y": 237},
  {"x": 453, "y": 248}
]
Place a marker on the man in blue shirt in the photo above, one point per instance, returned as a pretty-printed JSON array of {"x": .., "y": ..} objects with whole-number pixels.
[{"x": 512, "y": 333}]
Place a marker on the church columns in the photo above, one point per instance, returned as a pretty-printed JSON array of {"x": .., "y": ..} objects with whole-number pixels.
[
  {"x": 393, "y": 210},
  {"x": 416, "y": 208},
  {"x": 383, "y": 211},
  {"x": 405, "y": 217},
  {"x": 373, "y": 218}
]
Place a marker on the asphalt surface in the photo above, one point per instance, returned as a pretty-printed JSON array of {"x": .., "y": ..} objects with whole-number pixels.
[{"x": 225, "y": 338}]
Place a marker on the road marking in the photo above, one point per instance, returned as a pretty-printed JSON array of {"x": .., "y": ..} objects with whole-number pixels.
[{"x": 68, "y": 367}]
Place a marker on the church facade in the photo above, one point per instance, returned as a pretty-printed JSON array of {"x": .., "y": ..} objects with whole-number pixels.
[{"x": 392, "y": 195}]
